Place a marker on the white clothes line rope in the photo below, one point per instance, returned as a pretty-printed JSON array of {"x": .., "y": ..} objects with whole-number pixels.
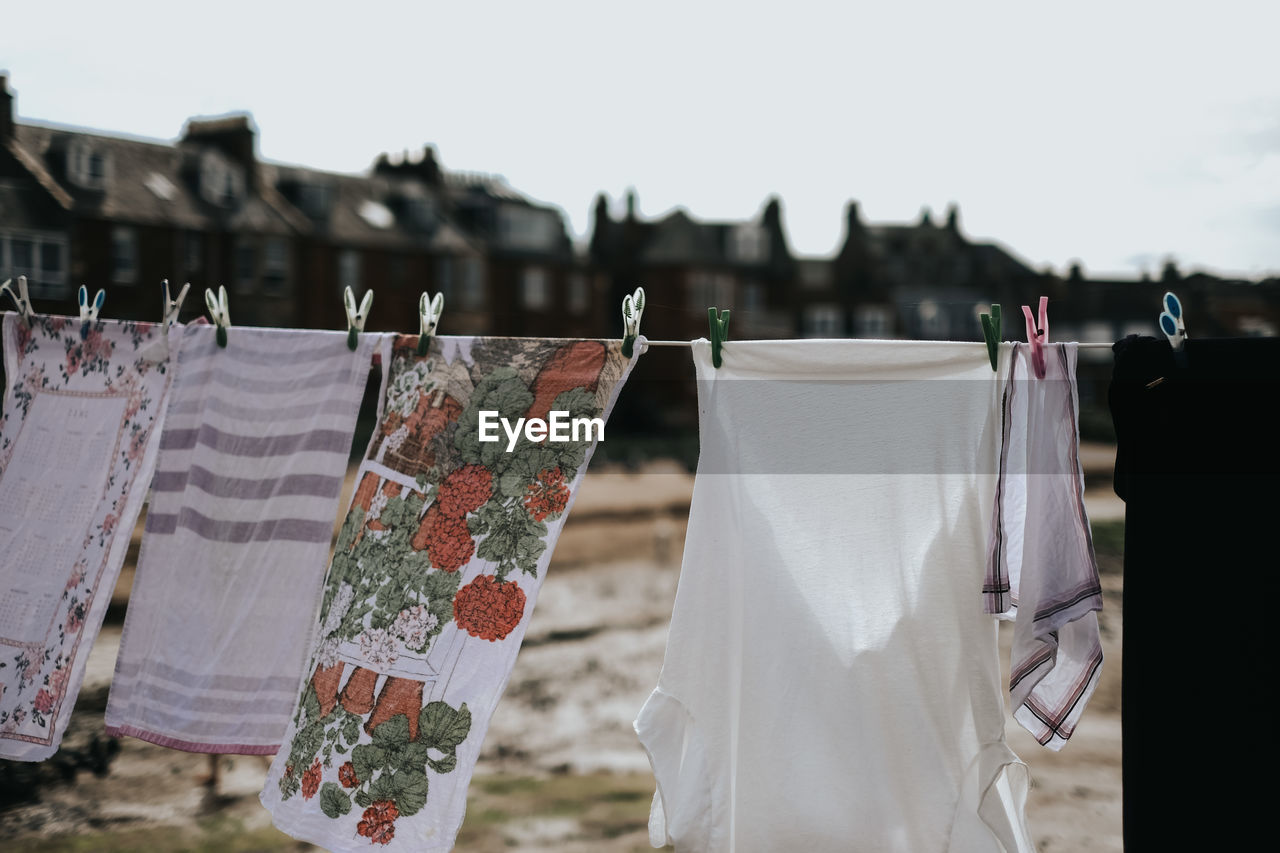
[{"x": 975, "y": 343}]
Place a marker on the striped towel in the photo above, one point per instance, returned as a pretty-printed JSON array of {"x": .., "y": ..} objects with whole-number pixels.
[{"x": 244, "y": 498}]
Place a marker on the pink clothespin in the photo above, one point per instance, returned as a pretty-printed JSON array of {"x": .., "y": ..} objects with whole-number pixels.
[{"x": 1038, "y": 335}]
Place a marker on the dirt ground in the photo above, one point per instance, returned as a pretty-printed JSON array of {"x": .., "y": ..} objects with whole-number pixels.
[{"x": 561, "y": 769}]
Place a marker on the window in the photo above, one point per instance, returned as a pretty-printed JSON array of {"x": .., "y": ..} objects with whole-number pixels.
[
  {"x": 752, "y": 296},
  {"x": 871, "y": 321},
  {"x": 934, "y": 323},
  {"x": 471, "y": 284},
  {"x": 749, "y": 244},
  {"x": 823, "y": 321},
  {"x": 42, "y": 258},
  {"x": 527, "y": 227},
  {"x": 535, "y": 289},
  {"x": 349, "y": 270},
  {"x": 421, "y": 212},
  {"x": 275, "y": 266},
  {"x": 579, "y": 296},
  {"x": 444, "y": 278},
  {"x": 124, "y": 255},
  {"x": 815, "y": 276},
  {"x": 221, "y": 183},
  {"x": 376, "y": 214},
  {"x": 707, "y": 289},
  {"x": 193, "y": 251},
  {"x": 86, "y": 166},
  {"x": 246, "y": 265},
  {"x": 314, "y": 200}
]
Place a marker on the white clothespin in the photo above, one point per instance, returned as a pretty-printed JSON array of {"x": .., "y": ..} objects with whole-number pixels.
[
  {"x": 632, "y": 311},
  {"x": 219, "y": 312},
  {"x": 429, "y": 311},
  {"x": 173, "y": 306},
  {"x": 356, "y": 319},
  {"x": 89, "y": 313},
  {"x": 21, "y": 299}
]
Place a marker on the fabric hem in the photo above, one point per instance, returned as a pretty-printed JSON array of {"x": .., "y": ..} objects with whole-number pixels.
[{"x": 190, "y": 745}]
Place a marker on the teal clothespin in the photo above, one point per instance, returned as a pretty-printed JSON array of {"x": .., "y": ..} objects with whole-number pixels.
[
  {"x": 355, "y": 319},
  {"x": 991, "y": 333},
  {"x": 719, "y": 333},
  {"x": 219, "y": 312},
  {"x": 89, "y": 313},
  {"x": 632, "y": 311},
  {"x": 429, "y": 311}
]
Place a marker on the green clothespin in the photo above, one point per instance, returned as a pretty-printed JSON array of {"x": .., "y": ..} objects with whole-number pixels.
[
  {"x": 429, "y": 311},
  {"x": 356, "y": 318},
  {"x": 632, "y": 311},
  {"x": 991, "y": 333},
  {"x": 719, "y": 333},
  {"x": 219, "y": 312}
]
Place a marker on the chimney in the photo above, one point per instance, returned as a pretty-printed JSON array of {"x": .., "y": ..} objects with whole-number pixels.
[
  {"x": 852, "y": 218},
  {"x": 6, "y": 110},
  {"x": 631, "y": 205},
  {"x": 926, "y": 216},
  {"x": 953, "y": 217},
  {"x": 233, "y": 135}
]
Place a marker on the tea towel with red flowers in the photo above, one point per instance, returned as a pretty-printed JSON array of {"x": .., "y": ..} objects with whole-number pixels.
[
  {"x": 434, "y": 576},
  {"x": 77, "y": 448}
]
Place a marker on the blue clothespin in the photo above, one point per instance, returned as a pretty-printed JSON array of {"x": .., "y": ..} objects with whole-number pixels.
[
  {"x": 356, "y": 319},
  {"x": 219, "y": 312},
  {"x": 89, "y": 313},
  {"x": 991, "y": 333},
  {"x": 429, "y": 311},
  {"x": 632, "y": 311},
  {"x": 21, "y": 299},
  {"x": 719, "y": 333},
  {"x": 1174, "y": 328}
]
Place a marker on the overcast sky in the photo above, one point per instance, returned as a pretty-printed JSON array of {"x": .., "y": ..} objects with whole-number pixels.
[{"x": 1116, "y": 133}]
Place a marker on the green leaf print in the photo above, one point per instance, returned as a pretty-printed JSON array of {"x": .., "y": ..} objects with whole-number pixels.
[
  {"x": 334, "y": 801},
  {"x": 410, "y": 787},
  {"x": 502, "y": 391},
  {"x": 366, "y": 759},
  {"x": 392, "y": 733},
  {"x": 443, "y": 727}
]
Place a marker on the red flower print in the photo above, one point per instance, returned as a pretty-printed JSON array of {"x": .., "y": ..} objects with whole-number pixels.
[
  {"x": 75, "y": 618},
  {"x": 44, "y": 701},
  {"x": 451, "y": 544},
  {"x": 347, "y": 775},
  {"x": 465, "y": 490},
  {"x": 97, "y": 346},
  {"x": 58, "y": 680},
  {"x": 108, "y": 524},
  {"x": 73, "y": 360},
  {"x": 548, "y": 495},
  {"x": 135, "y": 446},
  {"x": 489, "y": 608},
  {"x": 378, "y": 823},
  {"x": 311, "y": 780}
]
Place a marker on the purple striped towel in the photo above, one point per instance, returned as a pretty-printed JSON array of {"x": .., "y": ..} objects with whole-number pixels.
[{"x": 246, "y": 489}]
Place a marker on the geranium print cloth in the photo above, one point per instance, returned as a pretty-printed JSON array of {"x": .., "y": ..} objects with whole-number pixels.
[
  {"x": 252, "y": 459},
  {"x": 433, "y": 579},
  {"x": 77, "y": 446}
]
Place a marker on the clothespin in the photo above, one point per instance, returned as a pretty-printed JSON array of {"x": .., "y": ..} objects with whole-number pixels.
[
  {"x": 89, "y": 313},
  {"x": 429, "y": 311},
  {"x": 991, "y": 333},
  {"x": 172, "y": 306},
  {"x": 632, "y": 311},
  {"x": 1171, "y": 322},
  {"x": 21, "y": 299},
  {"x": 719, "y": 333},
  {"x": 355, "y": 319},
  {"x": 219, "y": 312},
  {"x": 1038, "y": 335}
]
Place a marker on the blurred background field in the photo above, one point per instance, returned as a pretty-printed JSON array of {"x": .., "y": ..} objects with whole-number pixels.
[{"x": 561, "y": 768}]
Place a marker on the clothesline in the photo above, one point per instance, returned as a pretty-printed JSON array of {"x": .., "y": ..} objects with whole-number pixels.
[{"x": 975, "y": 343}]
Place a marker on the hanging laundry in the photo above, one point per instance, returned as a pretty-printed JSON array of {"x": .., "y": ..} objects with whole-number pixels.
[
  {"x": 1041, "y": 570},
  {"x": 77, "y": 449},
  {"x": 1196, "y": 464},
  {"x": 252, "y": 459},
  {"x": 432, "y": 582},
  {"x": 831, "y": 682}
]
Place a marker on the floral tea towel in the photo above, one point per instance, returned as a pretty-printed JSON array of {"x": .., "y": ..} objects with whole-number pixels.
[
  {"x": 429, "y": 593},
  {"x": 77, "y": 447},
  {"x": 252, "y": 458}
]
